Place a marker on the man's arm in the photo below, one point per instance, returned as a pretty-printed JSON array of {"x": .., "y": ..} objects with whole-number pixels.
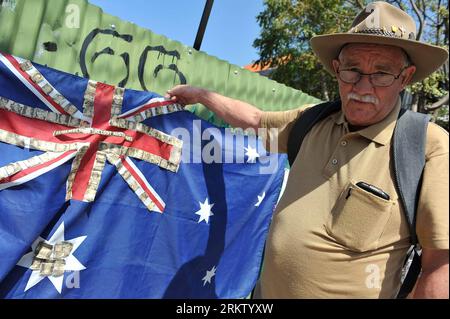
[
  {"x": 234, "y": 112},
  {"x": 433, "y": 281}
]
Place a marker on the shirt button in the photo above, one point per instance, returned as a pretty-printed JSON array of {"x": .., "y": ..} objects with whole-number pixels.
[
  {"x": 334, "y": 161},
  {"x": 344, "y": 143}
]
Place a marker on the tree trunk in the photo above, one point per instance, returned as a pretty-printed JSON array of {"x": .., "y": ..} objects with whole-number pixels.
[
  {"x": 420, "y": 17},
  {"x": 421, "y": 104},
  {"x": 325, "y": 92},
  {"x": 415, "y": 103}
]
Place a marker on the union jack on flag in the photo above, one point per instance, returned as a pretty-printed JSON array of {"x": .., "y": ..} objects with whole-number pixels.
[{"x": 97, "y": 199}]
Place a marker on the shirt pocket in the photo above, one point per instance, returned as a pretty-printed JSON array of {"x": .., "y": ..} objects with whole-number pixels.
[{"x": 358, "y": 219}]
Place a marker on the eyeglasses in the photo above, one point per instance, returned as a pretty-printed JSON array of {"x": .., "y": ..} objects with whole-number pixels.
[{"x": 376, "y": 79}]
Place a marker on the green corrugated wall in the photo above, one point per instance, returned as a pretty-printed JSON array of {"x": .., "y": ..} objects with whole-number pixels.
[{"x": 67, "y": 34}]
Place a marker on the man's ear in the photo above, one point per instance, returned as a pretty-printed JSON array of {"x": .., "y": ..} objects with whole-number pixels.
[
  {"x": 408, "y": 74},
  {"x": 335, "y": 65}
]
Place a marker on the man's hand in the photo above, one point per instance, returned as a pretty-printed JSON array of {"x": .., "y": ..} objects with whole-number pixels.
[{"x": 185, "y": 94}]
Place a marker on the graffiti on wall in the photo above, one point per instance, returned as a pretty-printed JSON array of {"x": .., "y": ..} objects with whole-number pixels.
[
  {"x": 125, "y": 57},
  {"x": 87, "y": 58}
]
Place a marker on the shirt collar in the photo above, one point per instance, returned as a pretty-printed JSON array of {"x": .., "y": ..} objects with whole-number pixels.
[
  {"x": 380, "y": 132},
  {"x": 339, "y": 118}
]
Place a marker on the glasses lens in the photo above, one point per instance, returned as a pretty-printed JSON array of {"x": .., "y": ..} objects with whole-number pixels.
[
  {"x": 382, "y": 79},
  {"x": 349, "y": 76}
]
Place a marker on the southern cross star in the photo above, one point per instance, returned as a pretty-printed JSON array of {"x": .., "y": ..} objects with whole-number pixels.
[
  {"x": 205, "y": 211},
  {"x": 209, "y": 274},
  {"x": 260, "y": 199},
  {"x": 251, "y": 153}
]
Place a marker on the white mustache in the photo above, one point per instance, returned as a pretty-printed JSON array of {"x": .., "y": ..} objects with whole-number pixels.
[{"x": 363, "y": 98}]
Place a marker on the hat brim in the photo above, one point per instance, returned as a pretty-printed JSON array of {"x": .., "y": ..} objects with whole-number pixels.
[{"x": 426, "y": 57}]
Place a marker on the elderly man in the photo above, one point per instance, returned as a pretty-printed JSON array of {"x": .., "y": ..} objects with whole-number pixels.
[{"x": 330, "y": 237}]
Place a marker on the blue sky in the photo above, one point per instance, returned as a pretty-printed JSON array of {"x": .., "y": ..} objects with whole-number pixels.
[{"x": 230, "y": 33}]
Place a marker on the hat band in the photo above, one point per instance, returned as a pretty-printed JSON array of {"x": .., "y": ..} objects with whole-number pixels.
[{"x": 378, "y": 31}]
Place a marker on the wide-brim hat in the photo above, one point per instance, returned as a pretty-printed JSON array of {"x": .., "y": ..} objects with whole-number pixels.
[{"x": 385, "y": 24}]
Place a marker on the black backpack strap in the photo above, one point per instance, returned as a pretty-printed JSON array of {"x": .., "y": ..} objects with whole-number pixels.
[
  {"x": 410, "y": 272},
  {"x": 304, "y": 124},
  {"x": 408, "y": 151}
]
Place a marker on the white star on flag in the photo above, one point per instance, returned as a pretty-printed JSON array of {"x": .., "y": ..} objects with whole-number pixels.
[
  {"x": 209, "y": 274},
  {"x": 260, "y": 199},
  {"x": 251, "y": 153},
  {"x": 71, "y": 262},
  {"x": 205, "y": 211}
]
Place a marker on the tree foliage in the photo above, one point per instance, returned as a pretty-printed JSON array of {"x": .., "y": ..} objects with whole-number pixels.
[{"x": 288, "y": 25}]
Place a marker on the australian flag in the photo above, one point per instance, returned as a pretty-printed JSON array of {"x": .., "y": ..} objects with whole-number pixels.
[{"x": 107, "y": 192}]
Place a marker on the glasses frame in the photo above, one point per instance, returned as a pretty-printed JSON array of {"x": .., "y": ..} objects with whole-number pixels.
[{"x": 395, "y": 77}]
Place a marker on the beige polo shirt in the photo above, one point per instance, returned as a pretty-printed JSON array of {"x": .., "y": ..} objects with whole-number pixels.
[{"x": 331, "y": 239}]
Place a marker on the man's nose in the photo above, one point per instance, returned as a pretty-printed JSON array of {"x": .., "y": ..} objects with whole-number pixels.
[{"x": 363, "y": 86}]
